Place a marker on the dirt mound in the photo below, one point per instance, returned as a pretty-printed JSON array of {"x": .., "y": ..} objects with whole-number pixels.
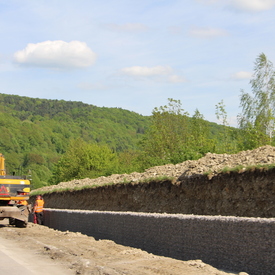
[{"x": 210, "y": 162}]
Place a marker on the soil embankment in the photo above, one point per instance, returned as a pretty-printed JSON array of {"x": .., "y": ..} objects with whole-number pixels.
[{"x": 248, "y": 192}]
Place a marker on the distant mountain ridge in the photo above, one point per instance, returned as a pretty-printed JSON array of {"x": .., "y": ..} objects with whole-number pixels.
[{"x": 36, "y": 132}]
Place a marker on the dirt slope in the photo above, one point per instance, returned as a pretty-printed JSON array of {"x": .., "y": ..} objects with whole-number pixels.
[
  {"x": 248, "y": 193},
  {"x": 191, "y": 168}
]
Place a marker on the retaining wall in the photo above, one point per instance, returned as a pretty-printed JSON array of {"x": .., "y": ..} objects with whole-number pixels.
[{"x": 228, "y": 243}]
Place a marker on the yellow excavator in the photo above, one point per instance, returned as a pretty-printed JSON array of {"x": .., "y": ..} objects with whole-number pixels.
[{"x": 14, "y": 195}]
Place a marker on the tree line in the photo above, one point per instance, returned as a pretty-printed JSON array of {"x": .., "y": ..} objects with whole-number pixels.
[{"x": 57, "y": 140}]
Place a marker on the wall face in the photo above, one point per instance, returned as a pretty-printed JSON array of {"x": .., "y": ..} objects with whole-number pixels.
[
  {"x": 247, "y": 194},
  {"x": 225, "y": 242},
  {"x": 229, "y": 243}
]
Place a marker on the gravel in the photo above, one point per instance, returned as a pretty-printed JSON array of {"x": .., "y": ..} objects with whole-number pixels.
[{"x": 209, "y": 163}]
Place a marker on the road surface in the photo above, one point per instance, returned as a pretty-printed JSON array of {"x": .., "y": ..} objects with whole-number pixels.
[{"x": 17, "y": 260}]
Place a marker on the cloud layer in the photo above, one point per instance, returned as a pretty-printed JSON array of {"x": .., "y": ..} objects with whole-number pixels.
[
  {"x": 243, "y": 5},
  {"x": 56, "y": 54},
  {"x": 128, "y": 27},
  {"x": 253, "y": 5},
  {"x": 206, "y": 32},
  {"x": 242, "y": 75},
  {"x": 147, "y": 71},
  {"x": 157, "y": 71}
]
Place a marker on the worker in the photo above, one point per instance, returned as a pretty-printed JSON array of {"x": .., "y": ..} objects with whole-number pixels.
[{"x": 38, "y": 210}]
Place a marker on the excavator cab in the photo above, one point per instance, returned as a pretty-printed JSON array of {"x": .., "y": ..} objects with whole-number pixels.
[{"x": 14, "y": 195}]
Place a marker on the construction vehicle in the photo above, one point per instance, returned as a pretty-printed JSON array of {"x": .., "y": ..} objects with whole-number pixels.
[{"x": 14, "y": 195}]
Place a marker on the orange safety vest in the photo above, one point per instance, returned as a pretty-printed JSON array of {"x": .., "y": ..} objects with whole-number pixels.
[{"x": 38, "y": 207}]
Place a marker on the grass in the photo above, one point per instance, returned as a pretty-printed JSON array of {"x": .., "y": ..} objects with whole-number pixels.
[
  {"x": 83, "y": 187},
  {"x": 238, "y": 168},
  {"x": 159, "y": 178},
  {"x": 242, "y": 168}
]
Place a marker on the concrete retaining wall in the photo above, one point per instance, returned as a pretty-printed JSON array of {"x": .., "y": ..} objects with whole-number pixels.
[{"x": 229, "y": 243}]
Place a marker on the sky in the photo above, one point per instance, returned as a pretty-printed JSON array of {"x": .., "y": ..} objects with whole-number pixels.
[{"x": 135, "y": 54}]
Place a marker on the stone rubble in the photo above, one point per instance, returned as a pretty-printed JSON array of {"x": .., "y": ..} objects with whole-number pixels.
[{"x": 210, "y": 163}]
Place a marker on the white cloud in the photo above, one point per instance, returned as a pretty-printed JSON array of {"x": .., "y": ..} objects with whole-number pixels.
[
  {"x": 206, "y": 32},
  {"x": 208, "y": 1},
  {"x": 56, "y": 54},
  {"x": 147, "y": 71},
  {"x": 176, "y": 79},
  {"x": 175, "y": 29},
  {"x": 252, "y": 5},
  {"x": 93, "y": 86},
  {"x": 242, "y": 75},
  {"x": 157, "y": 73},
  {"x": 129, "y": 27},
  {"x": 243, "y": 5}
]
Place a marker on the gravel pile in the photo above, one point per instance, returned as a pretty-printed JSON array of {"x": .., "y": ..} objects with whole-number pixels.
[{"x": 210, "y": 162}]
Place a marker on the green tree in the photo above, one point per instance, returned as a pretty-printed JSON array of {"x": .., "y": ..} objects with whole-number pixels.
[
  {"x": 166, "y": 140},
  {"x": 221, "y": 115},
  {"x": 228, "y": 138},
  {"x": 199, "y": 131},
  {"x": 258, "y": 110},
  {"x": 84, "y": 160},
  {"x": 128, "y": 162}
]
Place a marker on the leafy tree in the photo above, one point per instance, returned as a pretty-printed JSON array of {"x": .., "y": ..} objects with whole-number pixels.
[
  {"x": 200, "y": 131},
  {"x": 84, "y": 160},
  {"x": 166, "y": 140},
  {"x": 228, "y": 138},
  {"x": 33, "y": 158},
  {"x": 129, "y": 161},
  {"x": 221, "y": 115},
  {"x": 40, "y": 175},
  {"x": 258, "y": 110}
]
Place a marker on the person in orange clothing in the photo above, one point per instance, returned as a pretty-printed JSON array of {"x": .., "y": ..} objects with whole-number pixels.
[{"x": 38, "y": 210}]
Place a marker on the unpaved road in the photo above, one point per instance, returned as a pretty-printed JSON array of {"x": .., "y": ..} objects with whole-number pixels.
[
  {"x": 16, "y": 260},
  {"x": 75, "y": 253}
]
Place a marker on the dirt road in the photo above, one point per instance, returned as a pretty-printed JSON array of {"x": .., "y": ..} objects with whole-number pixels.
[
  {"x": 14, "y": 260},
  {"x": 79, "y": 254}
]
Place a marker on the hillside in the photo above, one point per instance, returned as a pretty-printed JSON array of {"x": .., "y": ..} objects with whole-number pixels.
[
  {"x": 36, "y": 132},
  {"x": 67, "y": 119}
]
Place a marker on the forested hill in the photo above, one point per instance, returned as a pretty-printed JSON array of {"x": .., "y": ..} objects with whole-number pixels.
[
  {"x": 35, "y": 132},
  {"x": 61, "y": 140},
  {"x": 116, "y": 127}
]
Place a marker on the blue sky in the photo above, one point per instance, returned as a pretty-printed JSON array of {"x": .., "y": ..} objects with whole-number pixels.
[{"x": 135, "y": 54}]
